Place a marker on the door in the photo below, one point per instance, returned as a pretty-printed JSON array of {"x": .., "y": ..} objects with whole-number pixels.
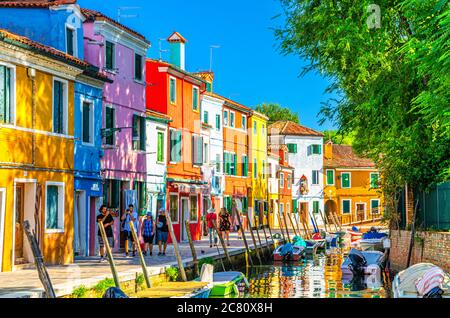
[
  {"x": 93, "y": 228},
  {"x": 19, "y": 212},
  {"x": 184, "y": 217},
  {"x": 360, "y": 211}
]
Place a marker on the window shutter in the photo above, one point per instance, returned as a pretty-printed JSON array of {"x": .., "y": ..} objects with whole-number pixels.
[
  {"x": 142, "y": 135},
  {"x": 319, "y": 149},
  {"x": 218, "y": 122},
  {"x": 160, "y": 153},
  {"x": 309, "y": 150},
  {"x": 5, "y": 99},
  {"x": 179, "y": 145},
  {"x": 235, "y": 164}
]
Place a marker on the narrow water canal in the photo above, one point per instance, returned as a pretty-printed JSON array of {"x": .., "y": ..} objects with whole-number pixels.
[{"x": 317, "y": 277}]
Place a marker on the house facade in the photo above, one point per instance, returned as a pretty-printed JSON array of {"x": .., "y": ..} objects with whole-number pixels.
[
  {"x": 287, "y": 207},
  {"x": 173, "y": 91},
  {"x": 37, "y": 97},
  {"x": 352, "y": 185},
  {"x": 305, "y": 156},
  {"x": 120, "y": 53},
  {"x": 273, "y": 160}
]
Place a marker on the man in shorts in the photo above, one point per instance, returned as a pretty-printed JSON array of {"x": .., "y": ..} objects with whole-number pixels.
[
  {"x": 130, "y": 215},
  {"x": 108, "y": 222}
]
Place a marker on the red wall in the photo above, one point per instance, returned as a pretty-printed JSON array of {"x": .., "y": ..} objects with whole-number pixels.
[{"x": 156, "y": 91}]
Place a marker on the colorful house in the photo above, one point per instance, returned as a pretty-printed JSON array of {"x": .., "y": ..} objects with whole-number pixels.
[
  {"x": 273, "y": 160},
  {"x": 59, "y": 24},
  {"x": 305, "y": 155},
  {"x": 37, "y": 96},
  {"x": 258, "y": 160},
  {"x": 120, "y": 53},
  {"x": 352, "y": 188},
  {"x": 173, "y": 91},
  {"x": 285, "y": 177}
]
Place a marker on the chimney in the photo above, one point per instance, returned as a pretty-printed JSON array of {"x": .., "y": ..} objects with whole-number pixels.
[
  {"x": 208, "y": 77},
  {"x": 328, "y": 153},
  {"x": 177, "y": 52}
]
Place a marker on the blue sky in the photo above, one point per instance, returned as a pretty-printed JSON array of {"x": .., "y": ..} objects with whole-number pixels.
[{"x": 248, "y": 66}]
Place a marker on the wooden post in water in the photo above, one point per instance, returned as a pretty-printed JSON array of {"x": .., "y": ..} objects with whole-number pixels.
[
  {"x": 241, "y": 228},
  {"x": 286, "y": 227},
  {"x": 141, "y": 257},
  {"x": 270, "y": 231},
  {"x": 297, "y": 225},
  {"x": 259, "y": 238},
  {"x": 223, "y": 243},
  {"x": 44, "y": 277},
  {"x": 254, "y": 242},
  {"x": 281, "y": 227},
  {"x": 194, "y": 253},
  {"x": 324, "y": 221},
  {"x": 267, "y": 242},
  {"x": 109, "y": 253},
  {"x": 292, "y": 223},
  {"x": 175, "y": 247}
]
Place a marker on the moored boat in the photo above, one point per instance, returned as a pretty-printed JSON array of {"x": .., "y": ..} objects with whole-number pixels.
[
  {"x": 373, "y": 240},
  {"x": 228, "y": 283},
  {"x": 360, "y": 263},
  {"x": 294, "y": 254}
]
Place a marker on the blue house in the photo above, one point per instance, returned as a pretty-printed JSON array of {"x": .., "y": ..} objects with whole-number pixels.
[{"x": 59, "y": 24}]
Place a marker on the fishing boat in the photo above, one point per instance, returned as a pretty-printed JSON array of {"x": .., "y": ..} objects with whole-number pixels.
[
  {"x": 314, "y": 246},
  {"x": 373, "y": 240},
  {"x": 228, "y": 284},
  {"x": 360, "y": 263},
  {"x": 294, "y": 253},
  {"x": 423, "y": 280}
]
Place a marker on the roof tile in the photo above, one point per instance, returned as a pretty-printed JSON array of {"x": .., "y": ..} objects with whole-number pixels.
[
  {"x": 343, "y": 156},
  {"x": 290, "y": 128}
]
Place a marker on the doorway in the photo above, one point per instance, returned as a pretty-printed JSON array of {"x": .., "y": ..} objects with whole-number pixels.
[
  {"x": 360, "y": 211},
  {"x": 80, "y": 224},
  {"x": 184, "y": 217},
  {"x": 18, "y": 224}
]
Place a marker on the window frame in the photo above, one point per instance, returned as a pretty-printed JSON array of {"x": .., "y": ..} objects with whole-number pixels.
[
  {"x": 74, "y": 39},
  {"x": 65, "y": 105},
  {"x": 225, "y": 118},
  {"x": 289, "y": 177},
  {"x": 255, "y": 127},
  {"x": 378, "y": 206},
  {"x": 174, "y": 194},
  {"x": 349, "y": 180},
  {"x": 349, "y": 205},
  {"x": 206, "y": 117},
  {"x": 196, "y": 106},
  {"x": 158, "y": 133},
  {"x": 232, "y": 123},
  {"x": 244, "y": 122},
  {"x": 113, "y": 126},
  {"x": 91, "y": 122},
  {"x": 12, "y": 93},
  {"x": 326, "y": 174},
  {"x": 141, "y": 138},
  {"x": 139, "y": 80},
  {"x": 281, "y": 178},
  {"x": 113, "y": 58},
  {"x": 218, "y": 122},
  {"x": 61, "y": 206},
  {"x": 170, "y": 146},
  {"x": 317, "y": 179},
  {"x": 196, "y": 208},
  {"x": 174, "y": 79}
]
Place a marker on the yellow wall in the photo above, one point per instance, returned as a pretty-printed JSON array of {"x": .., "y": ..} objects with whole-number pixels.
[{"x": 51, "y": 152}]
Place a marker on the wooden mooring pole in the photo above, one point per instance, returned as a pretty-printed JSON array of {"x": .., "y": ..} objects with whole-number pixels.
[
  {"x": 280, "y": 224},
  {"x": 193, "y": 251},
  {"x": 141, "y": 257},
  {"x": 241, "y": 228},
  {"x": 268, "y": 226},
  {"x": 175, "y": 247},
  {"x": 254, "y": 242},
  {"x": 109, "y": 253},
  {"x": 286, "y": 227},
  {"x": 267, "y": 242},
  {"x": 222, "y": 242},
  {"x": 292, "y": 223},
  {"x": 44, "y": 277},
  {"x": 257, "y": 234}
]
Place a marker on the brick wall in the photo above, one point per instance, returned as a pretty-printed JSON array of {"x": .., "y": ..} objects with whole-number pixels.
[{"x": 432, "y": 247}]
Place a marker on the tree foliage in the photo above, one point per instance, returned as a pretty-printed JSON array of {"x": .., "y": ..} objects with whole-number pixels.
[
  {"x": 338, "y": 138},
  {"x": 393, "y": 81},
  {"x": 276, "y": 112}
]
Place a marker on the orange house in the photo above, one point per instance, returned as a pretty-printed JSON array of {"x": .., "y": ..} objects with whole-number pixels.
[
  {"x": 173, "y": 91},
  {"x": 351, "y": 185}
]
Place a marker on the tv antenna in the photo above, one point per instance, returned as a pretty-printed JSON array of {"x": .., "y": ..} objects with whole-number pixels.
[
  {"x": 211, "y": 47},
  {"x": 161, "y": 51},
  {"x": 126, "y": 16}
]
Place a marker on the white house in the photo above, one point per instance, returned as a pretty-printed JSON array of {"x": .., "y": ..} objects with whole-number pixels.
[
  {"x": 156, "y": 160},
  {"x": 273, "y": 162},
  {"x": 305, "y": 155}
]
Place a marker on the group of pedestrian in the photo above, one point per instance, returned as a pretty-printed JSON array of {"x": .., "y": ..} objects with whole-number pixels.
[
  {"x": 224, "y": 226},
  {"x": 149, "y": 229}
]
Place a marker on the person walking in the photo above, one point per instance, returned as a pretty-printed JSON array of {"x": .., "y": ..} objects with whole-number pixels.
[
  {"x": 210, "y": 217},
  {"x": 127, "y": 217},
  {"x": 105, "y": 217},
  {"x": 148, "y": 233},
  {"x": 225, "y": 225},
  {"x": 238, "y": 224},
  {"x": 162, "y": 232}
]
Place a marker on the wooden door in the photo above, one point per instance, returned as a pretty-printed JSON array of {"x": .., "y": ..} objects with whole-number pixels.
[
  {"x": 18, "y": 244},
  {"x": 360, "y": 211}
]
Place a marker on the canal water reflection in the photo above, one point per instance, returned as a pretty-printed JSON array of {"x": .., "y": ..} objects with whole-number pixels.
[{"x": 317, "y": 277}]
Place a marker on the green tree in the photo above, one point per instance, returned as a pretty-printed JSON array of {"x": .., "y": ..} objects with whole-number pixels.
[
  {"x": 338, "y": 138},
  {"x": 276, "y": 112},
  {"x": 392, "y": 79}
]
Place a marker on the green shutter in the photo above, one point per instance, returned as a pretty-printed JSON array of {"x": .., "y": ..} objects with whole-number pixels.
[
  {"x": 5, "y": 92},
  {"x": 330, "y": 177},
  {"x": 86, "y": 122},
  {"x": 52, "y": 207},
  {"x": 346, "y": 206},
  {"x": 58, "y": 96},
  {"x": 218, "y": 162},
  {"x": 316, "y": 206},
  {"x": 235, "y": 164},
  {"x": 115, "y": 193},
  {"x": 142, "y": 134},
  {"x": 160, "y": 153},
  {"x": 109, "y": 64},
  {"x": 172, "y": 90},
  {"x": 345, "y": 180},
  {"x": 292, "y": 148},
  {"x": 255, "y": 169},
  {"x": 138, "y": 67},
  {"x": 194, "y": 99},
  {"x": 294, "y": 206},
  {"x": 218, "y": 122},
  {"x": 109, "y": 120}
]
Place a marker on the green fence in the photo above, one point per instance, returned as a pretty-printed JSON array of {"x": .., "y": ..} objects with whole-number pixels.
[{"x": 434, "y": 208}]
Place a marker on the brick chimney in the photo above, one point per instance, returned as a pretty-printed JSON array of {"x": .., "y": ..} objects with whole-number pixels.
[
  {"x": 328, "y": 153},
  {"x": 177, "y": 50}
]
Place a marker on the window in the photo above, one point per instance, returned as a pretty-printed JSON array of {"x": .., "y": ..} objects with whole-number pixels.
[
  {"x": 173, "y": 90},
  {"x": 197, "y": 150},
  {"x": 375, "y": 206},
  {"x": 233, "y": 166},
  {"x": 205, "y": 153},
  {"x": 205, "y": 117},
  {"x": 281, "y": 180},
  {"x": 229, "y": 163},
  {"x": 289, "y": 181},
  {"x": 160, "y": 150},
  {"x": 225, "y": 117},
  {"x": 217, "y": 122},
  {"x": 110, "y": 118},
  {"x": 138, "y": 133},
  {"x": 60, "y": 101},
  {"x": 137, "y": 67},
  {"x": 315, "y": 177},
  {"x": 70, "y": 41},
  {"x": 244, "y": 122},
  {"x": 315, "y": 206},
  {"x": 195, "y": 98},
  {"x": 175, "y": 146},
  {"x": 173, "y": 208},
  {"x": 346, "y": 206},
  {"x": 193, "y": 215},
  {"x": 232, "y": 119},
  {"x": 314, "y": 150},
  {"x": 87, "y": 118},
  {"x": 54, "y": 207},
  {"x": 6, "y": 95},
  {"x": 374, "y": 180},
  {"x": 255, "y": 169},
  {"x": 330, "y": 177},
  {"x": 244, "y": 166},
  {"x": 292, "y": 148},
  {"x": 345, "y": 180},
  {"x": 255, "y": 127},
  {"x": 110, "y": 56},
  {"x": 218, "y": 162},
  {"x": 227, "y": 203}
]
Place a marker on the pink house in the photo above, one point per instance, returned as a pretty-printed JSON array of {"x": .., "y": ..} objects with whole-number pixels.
[{"x": 120, "y": 52}]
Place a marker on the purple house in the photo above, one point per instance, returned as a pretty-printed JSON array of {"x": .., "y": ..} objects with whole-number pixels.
[{"x": 120, "y": 52}]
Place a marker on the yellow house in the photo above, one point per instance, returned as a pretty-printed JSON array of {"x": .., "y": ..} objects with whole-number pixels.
[
  {"x": 258, "y": 162},
  {"x": 351, "y": 185},
  {"x": 36, "y": 150}
]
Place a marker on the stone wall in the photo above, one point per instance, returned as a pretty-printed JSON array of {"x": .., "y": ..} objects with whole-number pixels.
[{"x": 429, "y": 247}]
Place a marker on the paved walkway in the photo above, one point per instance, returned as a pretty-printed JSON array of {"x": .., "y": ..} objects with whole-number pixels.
[{"x": 88, "y": 271}]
